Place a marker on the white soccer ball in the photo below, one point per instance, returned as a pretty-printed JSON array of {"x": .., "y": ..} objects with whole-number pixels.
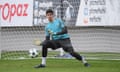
[{"x": 33, "y": 53}]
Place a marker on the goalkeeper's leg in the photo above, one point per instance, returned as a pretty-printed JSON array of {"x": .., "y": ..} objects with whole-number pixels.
[
  {"x": 77, "y": 56},
  {"x": 45, "y": 46},
  {"x": 44, "y": 55},
  {"x": 67, "y": 46}
]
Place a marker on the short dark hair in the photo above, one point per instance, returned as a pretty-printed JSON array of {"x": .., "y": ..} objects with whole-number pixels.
[{"x": 49, "y": 11}]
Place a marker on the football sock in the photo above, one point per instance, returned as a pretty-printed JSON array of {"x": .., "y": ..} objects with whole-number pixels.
[
  {"x": 83, "y": 60},
  {"x": 43, "y": 60}
]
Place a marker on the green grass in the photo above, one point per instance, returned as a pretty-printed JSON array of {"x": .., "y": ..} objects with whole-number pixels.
[
  {"x": 59, "y": 65},
  {"x": 100, "y": 62},
  {"x": 6, "y": 55}
]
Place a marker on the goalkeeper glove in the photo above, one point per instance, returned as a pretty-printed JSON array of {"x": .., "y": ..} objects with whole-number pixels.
[{"x": 52, "y": 33}]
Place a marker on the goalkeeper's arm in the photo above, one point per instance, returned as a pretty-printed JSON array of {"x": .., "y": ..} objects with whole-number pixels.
[
  {"x": 64, "y": 31},
  {"x": 47, "y": 38}
]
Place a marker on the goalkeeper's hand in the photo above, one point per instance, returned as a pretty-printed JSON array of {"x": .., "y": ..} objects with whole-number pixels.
[
  {"x": 37, "y": 42},
  {"x": 52, "y": 33}
]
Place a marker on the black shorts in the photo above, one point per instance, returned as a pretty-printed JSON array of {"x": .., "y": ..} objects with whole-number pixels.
[{"x": 61, "y": 43}]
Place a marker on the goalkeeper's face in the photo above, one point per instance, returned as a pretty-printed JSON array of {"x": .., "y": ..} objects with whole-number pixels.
[{"x": 50, "y": 16}]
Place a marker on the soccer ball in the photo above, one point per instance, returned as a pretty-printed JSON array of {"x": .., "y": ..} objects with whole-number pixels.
[{"x": 33, "y": 53}]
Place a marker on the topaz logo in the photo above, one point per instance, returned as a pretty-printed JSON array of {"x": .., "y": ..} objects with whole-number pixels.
[{"x": 8, "y": 11}]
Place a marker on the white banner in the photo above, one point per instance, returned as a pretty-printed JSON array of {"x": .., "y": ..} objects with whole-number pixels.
[
  {"x": 99, "y": 13},
  {"x": 16, "y": 13}
]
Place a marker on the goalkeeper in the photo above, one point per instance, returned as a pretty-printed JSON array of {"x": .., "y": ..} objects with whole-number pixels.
[{"x": 57, "y": 37}]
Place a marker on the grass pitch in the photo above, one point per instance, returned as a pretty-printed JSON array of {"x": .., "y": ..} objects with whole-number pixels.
[{"x": 59, "y": 65}]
